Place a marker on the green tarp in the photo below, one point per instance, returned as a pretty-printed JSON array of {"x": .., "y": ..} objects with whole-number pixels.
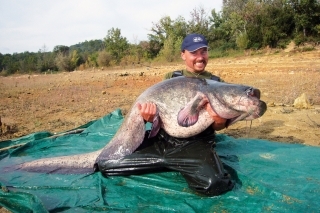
[{"x": 269, "y": 176}]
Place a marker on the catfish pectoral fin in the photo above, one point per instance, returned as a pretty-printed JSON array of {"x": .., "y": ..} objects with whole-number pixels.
[
  {"x": 156, "y": 124},
  {"x": 185, "y": 119},
  {"x": 189, "y": 115}
]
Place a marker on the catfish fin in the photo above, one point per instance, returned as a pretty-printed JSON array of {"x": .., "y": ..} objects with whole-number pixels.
[
  {"x": 156, "y": 124},
  {"x": 73, "y": 164},
  {"x": 189, "y": 115}
]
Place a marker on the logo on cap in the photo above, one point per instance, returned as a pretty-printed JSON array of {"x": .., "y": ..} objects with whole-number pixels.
[{"x": 197, "y": 39}]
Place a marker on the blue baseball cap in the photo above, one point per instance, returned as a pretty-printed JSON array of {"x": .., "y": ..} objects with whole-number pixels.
[{"x": 193, "y": 42}]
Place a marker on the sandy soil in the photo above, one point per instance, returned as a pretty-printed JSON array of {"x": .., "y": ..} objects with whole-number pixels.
[{"x": 59, "y": 102}]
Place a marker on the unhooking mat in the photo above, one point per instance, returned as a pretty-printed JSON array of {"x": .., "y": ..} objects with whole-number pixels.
[{"x": 269, "y": 177}]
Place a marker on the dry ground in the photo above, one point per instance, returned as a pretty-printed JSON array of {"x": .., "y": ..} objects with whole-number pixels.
[{"x": 59, "y": 102}]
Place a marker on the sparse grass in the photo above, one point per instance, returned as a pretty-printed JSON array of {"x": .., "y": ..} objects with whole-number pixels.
[
  {"x": 307, "y": 48},
  {"x": 289, "y": 86},
  {"x": 225, "y": 53}
]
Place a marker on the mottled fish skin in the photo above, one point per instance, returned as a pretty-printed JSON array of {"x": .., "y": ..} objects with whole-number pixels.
[
  {"x": 230, "y": 101},
  {"x": 73, "y": 164}
]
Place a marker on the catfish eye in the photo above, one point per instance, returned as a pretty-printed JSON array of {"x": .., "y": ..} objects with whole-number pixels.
[
  {"x": 249, "y": 91},
  {"x": 253, "y": 92}
]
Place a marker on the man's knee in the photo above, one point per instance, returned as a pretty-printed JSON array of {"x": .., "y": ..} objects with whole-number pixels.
[
  {"x": 212, "y": 186},
  {"x": 219, "y": 185}
]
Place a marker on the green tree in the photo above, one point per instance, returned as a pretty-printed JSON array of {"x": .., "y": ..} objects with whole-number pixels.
[
  {"x": 148, "y": 49},
  {"x": 167, "y": 32},
  {"x": 115, "y": 44},
  {"x": 264, "y": 23},
  {"x": 171, "y": 49},
  {"x": 88, "y": 46},
  {"x": 92, "y": 60},
  {"x": 276, "y": 23},
  {"x": 9, "y": 64},
  {"x": 45, "y": 60},
  {"x": 1, "y": 63},
  {"x": 74, "y": 60},
  {"x": 306, "y": 15},
  {"x": 220, "y": 37},
  {"x": 61, "y": 49},
  {"x": 199, "y": 22},
  {"x": 161, "y": 30},
  {"x": 27, "y": 62}
]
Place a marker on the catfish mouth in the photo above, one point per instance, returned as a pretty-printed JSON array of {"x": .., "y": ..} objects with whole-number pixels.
[
  {"x": 231, "y": 121},
  {"x": 262, "y": 108}
]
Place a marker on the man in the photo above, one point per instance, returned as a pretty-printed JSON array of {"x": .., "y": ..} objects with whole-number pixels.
[
  {"x": 193, "y": 157},
  {"x": 194, "y": 51}
]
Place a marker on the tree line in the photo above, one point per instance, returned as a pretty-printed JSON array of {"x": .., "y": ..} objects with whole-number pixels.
[{"x": 240, "y": 25}]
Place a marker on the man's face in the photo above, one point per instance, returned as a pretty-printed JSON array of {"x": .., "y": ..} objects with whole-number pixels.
[{"x": 195, "y": 61}]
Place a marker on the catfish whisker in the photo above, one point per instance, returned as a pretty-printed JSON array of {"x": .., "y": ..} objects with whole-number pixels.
[{"x": 249, "y": 130}]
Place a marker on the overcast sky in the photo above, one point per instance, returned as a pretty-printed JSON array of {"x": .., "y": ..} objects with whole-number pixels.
[{"x": 29, "y": 25}]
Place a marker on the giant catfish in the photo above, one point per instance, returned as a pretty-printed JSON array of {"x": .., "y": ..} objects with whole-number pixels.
[{"x": 181, "y": 112}]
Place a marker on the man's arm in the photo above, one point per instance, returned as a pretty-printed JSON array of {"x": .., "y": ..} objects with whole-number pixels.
[{"x": 219, "y": 123}]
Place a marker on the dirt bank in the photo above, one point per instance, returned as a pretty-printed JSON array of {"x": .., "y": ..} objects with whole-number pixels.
[{"x": 59, "y": 102}]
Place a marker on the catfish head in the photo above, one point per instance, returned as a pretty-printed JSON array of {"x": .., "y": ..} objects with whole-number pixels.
[{"x": 235, "y": 102}]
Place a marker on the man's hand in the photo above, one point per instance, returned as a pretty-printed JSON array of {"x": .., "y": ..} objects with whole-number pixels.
[
  {"x": 147, "y": 111},
  {"x": 219, "y": 123}
]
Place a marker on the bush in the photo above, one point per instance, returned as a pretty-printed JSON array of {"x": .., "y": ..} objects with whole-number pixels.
[
  {"x": 299, "y": 39},
  {"x": 283, "y": 43},
  {"x": 307, "y": 48},
  {"x": 62, "y": 62},
  {"x": 242, "y": 41},
  {"x": 217, "y": 53},
  {"x": 104, "y": 59}
]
